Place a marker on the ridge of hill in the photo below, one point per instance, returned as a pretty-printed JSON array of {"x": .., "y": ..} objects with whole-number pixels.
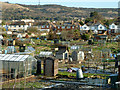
[{"x": 51, "y": 12}]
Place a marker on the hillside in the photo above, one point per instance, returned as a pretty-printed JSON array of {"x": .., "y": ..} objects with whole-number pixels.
[{"x": 51, "y": 12}]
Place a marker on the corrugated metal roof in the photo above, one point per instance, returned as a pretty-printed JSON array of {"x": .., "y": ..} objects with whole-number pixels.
[
  {"x": 11, "y": 57},
  {"x": 31, "y": 49},
  {"x": 75, "y": 47},
  {"x": 45, "y": 53},
  {"x": 22, "y": 53}
]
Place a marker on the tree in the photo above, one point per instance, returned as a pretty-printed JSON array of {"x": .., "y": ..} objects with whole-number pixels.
[
  {"x": 93, "y": 14},
  {"x": 107, "y": 22},
  {"x": 88, "y": 20},
  {"x": 90, "y": 32},
  {"x": 32, "y": 30},
  {"x": 96, "y": 16},
  {"x": 4, "y": 35},
  {"x": 3, "y": 22},
  {"x": 85, "y": 36},
  {"x": 81, "y": 23},
  {"x": 76, "y": 34},
  {"x": 51, "y": 35},
  {"x": 64, "y": 35},
  {"x": 3, "y": 29}
]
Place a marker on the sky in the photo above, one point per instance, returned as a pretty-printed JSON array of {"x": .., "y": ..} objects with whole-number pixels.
[{"x": 72, "y": 3}]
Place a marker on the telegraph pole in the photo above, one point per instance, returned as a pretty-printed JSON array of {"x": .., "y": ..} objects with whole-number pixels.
[{"x": 39, "y": 3}]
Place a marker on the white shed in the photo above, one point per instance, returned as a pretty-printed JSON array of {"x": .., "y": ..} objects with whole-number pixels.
[
  {"x": 1, "y": 37},
  {"x": 19, "y": 36},
  {"x": 77, "y": 55},
  {"x": 80, "y": 55}
]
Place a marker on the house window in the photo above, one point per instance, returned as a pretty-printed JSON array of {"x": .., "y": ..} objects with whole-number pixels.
[
  {"x": 100, "y": 32},
  {"x": 100, "y": 27},
  {"x": 85, "y": 27},
  {"x": 43, "y": 26},
  {"x": 73, "y": 27},
  {"x": 113, "y": 26},
  {"x": 47, "y": 26},
  {"x": 58, "y": 27},
  {"x": 68, "y": 27},
  {"x": 63, "y": 27}
]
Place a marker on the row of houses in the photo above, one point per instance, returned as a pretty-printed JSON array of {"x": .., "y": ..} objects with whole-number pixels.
[
  {"x": 47, "y": 26},
  {"x": 100, "y": 29}
]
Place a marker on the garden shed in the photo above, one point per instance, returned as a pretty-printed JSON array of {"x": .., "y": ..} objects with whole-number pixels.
[
  {"x": 11, "y": 49},
  {"x": 62, "y": 54},
  {"x": 17, "y": 66},
  {"x": 50, "y": 66},
  {"x": 1, "y": 37},
  {"x": 77, "y": 55}
]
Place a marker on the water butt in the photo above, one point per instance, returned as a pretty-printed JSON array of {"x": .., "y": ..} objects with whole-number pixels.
[{"x": 79, "y": 74}]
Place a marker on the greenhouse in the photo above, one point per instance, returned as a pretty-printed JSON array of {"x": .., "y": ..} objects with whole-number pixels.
[{"x": 16, "y": 66}]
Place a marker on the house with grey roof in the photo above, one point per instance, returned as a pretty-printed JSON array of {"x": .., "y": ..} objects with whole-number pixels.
[{"x": 98, "y": 27}]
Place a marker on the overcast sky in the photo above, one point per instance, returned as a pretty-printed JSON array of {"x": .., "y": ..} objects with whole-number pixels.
[{"x": 72, "y": 3}]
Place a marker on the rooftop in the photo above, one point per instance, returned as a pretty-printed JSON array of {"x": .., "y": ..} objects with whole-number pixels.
[
  {"x": 11, "y": 57},
  {"x": 45, "y": 54}
]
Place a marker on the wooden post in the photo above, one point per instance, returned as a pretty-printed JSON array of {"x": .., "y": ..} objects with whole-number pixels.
[
  {"x": 119, "y": 72},
  {"x": 24, "y": 74},
  {"x": 119, "y": 43}
]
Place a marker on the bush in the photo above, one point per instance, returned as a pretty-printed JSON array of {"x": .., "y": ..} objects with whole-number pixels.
[
  {"x": 85, "y": 36},
  {"x": 4, "y": 35}
]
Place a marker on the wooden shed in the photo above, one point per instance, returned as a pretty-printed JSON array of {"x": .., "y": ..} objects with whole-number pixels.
[{"x": 50, "y": 66}]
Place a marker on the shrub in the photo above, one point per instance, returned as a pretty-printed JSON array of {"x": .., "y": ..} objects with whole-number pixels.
[{"x": 85, "y": 36}]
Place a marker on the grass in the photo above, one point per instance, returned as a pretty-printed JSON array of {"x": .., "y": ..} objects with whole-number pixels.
[
  {"x": 85, "y": 74},
  {"x": 28, "y": 85},
  {"x": 67, "y": 73}
]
